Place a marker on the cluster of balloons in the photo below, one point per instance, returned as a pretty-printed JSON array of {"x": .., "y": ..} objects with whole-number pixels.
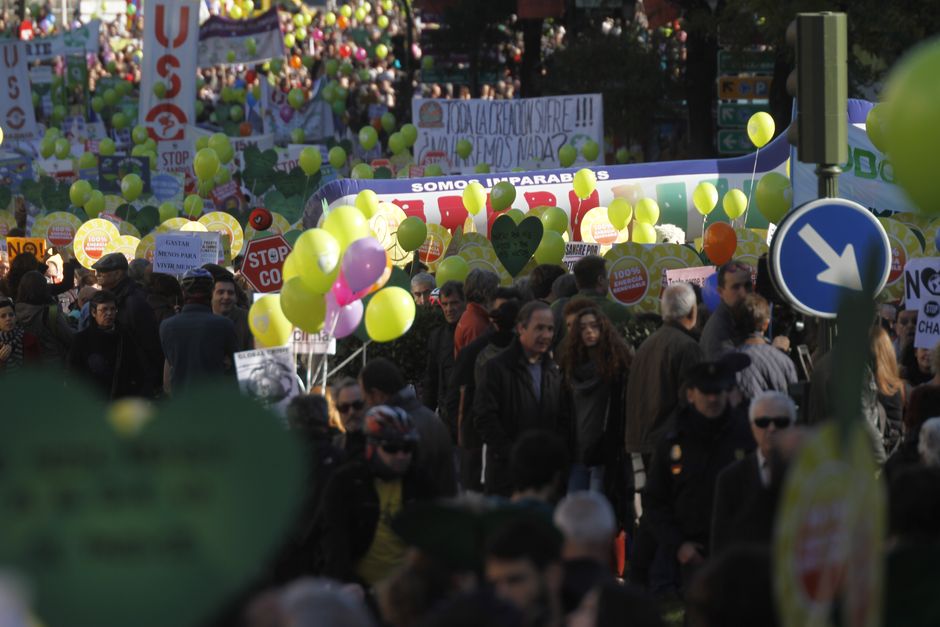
[
  {"x": 328, "y": 277},
  {"x": 213, "y": 153},
  {"x": 568, "y": 154},
  {"x": 53, "y": 143}
]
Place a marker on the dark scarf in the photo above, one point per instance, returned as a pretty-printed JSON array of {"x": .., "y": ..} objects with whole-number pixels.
[{"x": 15, "y": 339}]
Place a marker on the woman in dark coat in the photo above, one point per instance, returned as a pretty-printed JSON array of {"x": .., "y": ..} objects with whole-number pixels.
[
  {"x": 595, "y": 363},
  {"x": 17, "y": 346}
]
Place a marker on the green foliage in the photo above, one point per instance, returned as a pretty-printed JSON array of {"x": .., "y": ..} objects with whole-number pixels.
[
  {"x": 54, "y": 195},
  {"x": 258, "y": 173},
  {"x": 5, "y": 197},
  {"x": 624, "y": 70},
  {"x": 289, "y": 207}
]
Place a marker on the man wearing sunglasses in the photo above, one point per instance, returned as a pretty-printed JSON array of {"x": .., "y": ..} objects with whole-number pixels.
[
  {"x": 361, "y": 498},
  {"x": 747, "y": 490},
  {"x": 702, "y": 439}
]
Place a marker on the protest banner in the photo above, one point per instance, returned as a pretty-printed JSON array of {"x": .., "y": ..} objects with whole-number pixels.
[
  {"x": 578, "y": 250},
  {"x": 113, "y": 169},
  {"x": 928, "y": 324},
  {"x": 506, "y": 134},
  {"x": 82, "y": 40},
  {"x": 171, "y": 33},
  {"x": 695, "y": 276},
  {"x": 179, "y": 251},
  {"x": 218, "y": 36},
  {"x": 268, "y": 375},
  {"x": 17, "y": 116},
  {"x": 40, "y": 82},
  {"x": 35, "y": 246},
  {"x": 14, "y": 169},
  {"x": 921, "y": 281}
]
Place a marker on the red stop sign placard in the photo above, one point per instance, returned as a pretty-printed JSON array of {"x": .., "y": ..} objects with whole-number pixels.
[{"x": 264, "y": 259}]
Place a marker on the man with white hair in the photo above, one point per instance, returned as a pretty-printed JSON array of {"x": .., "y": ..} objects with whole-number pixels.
[
  {"x": 587, "y": 521},
  {"x": 659, "y": 367},
  {"x": 746, "y": 491},
  {"x": 422, "y": 284}
]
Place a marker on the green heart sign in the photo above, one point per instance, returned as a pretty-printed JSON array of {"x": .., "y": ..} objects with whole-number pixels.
[
  {"x": 515, "y": 244},
  {"x": 157, "y": 528}
]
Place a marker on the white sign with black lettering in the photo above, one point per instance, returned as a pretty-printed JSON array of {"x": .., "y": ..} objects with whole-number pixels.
[
  {"x": 921, "y": 281},
  {"x": 321, "y": 343},
  {"x": 179, "y": 251},
  {"x": 928, "y": 324},
  {"x": 268, "y": 375}
]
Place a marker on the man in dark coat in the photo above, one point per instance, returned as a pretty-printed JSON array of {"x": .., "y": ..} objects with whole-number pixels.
[
  {"x": 720, "y": 334},
  {"x": 520, "y": 390},
  {"x": 746, "y": 492},
  {"x": 357, "y": 543},
  {"x": 659, "y": 367},
  {"x": 135, "y": 315},
  {"x": 382, "y": 383},
  {"x": 701, "y": 440},
  {"x": 441, "y": 354}
]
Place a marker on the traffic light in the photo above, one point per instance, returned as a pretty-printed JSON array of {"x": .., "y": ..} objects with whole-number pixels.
[{"x": 820, "y": 85}]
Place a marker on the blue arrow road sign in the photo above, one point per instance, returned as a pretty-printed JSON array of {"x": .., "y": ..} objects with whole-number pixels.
[{"x": 822, "y": 250}]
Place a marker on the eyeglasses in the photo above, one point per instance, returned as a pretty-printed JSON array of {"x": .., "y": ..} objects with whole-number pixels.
[
  {"x": 344, "y": 408},
  {"x": 780, "y": 422},
  {"x": 394, "y": 449}
]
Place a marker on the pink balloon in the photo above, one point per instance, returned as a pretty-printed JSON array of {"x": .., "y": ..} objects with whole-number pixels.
[
  {"x": 341, "y": 291},
  {"x": 342, "y": 320},
  {"x": 318, "y": 34},
  {"x": 361, "y": 54},
  {"x": 363, "y": 263}
]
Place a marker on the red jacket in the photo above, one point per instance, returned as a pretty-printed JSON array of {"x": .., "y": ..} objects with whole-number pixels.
[{"x": 474, "y": 322}]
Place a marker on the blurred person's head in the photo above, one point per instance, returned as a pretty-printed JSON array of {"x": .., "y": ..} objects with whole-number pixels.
[
  {"x": 914, "y": 505},
  {"x": 733, "y": 588},
  {"x": 752, "y": 315},
  {"x": 422, "y": 284},
  {"x": 523, "y": 566},
  {"x": 33, "y": 289},
  {"x": 536, "y": 329},
  {"x": 564, "y": 286},
  {"x": 538, "y": 466},
  {"x": 380, "y": 380},
  {"x": 590, "y": 274},
  {"x": 391, "y": 440},
  {"x": 504, "y": 315},
  {"x": 85, "y": 294},
  {"x": 480, "y": 286},
  {"x": 591, "y": 339},
  {"x": 734, "y": 282},
  {"x": 137, "y": 270},
  {"x": 886, "y": 371},
  {"x": 588, "y": 523},
  {"x": 542, "y": 278},
  {"x": 905, "y": 326},
  {"x": 7, "y": 315},
  {"x": 111, "y": 270},
  {"x": 573, "y": 309},
  {"x": 224, "y": 293},
  {"x": 308, "y": 415},
  {"x": 310, "y": 602},
  {"x": 103, "y": 309},
  {"x": 928, "y": 445}
]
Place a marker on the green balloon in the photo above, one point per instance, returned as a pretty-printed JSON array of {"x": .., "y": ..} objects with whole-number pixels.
[
  {"x": 159, "y": 89},
  {"x": 773, "y": 196},
  {"x": 453, "y": 268},
  {"x": 482, "y": 168},
  {"x": 120, "y": 120},
  {"x": 410, "y": 133},
  {"x": 97, "y": 103},
  {"x": 362, "y": 171},
  {"x": 337, "y": 157},
  {"x": 555, "y": 219},
  {"x": 331, "y": 66},
  {"x": 567, "y": 155},
  {"x": 516, "y": 215},
  {"x": 551, "y": 249},
  {"x": 590, "y": 150},
  {"x": 464, "y": 148},
  {"x": 396, "y": 143},
  {"x": 368, "y": 137},
  {"x": 502, "y": 196},
  {"x": 388, "y": 121},
  {"x": 339, "y": 107},
  {"x": 411, "y": 233},
  {"x": 297, "y": 136},
  {"x": 433, "y": 169}
]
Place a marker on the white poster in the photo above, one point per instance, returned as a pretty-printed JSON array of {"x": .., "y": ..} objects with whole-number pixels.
[
  {"x": 928, "y": 324},
  {"x": 16, "y": 100},
  {"x": 175, "y": 253},
  {"x": 315, "y": 117},
  {"x": 321, "y": 343},
  {"x": 218, "y": 36},
  {"x": 171, "y": 37},
  {"x": 268, "y": 375},
  {"x": 81, "y": 40},
  {"x": 921, "y": 281},
  {"x": 506, "y": 134}
]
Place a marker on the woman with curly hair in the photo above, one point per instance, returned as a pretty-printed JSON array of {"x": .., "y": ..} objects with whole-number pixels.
[{"x": 595, "y": 362}]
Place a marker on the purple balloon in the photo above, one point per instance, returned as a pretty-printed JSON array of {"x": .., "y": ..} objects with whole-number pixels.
[
  {"x": 363, "y": 263},
  {"x": 318, "y": 34},
  {"x": 361, "y": 54},
  {"x": 342, "y": 320}
]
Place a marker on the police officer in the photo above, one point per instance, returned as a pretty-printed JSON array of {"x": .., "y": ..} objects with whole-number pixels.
[{"x": 703, "y": 437}]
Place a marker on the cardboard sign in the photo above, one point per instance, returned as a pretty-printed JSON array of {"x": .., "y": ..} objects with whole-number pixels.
[
  {"x": 268, "y": 375},
  {"x": 575, "y": 251},
  {"x": 303, "y": 343},
  {"x": 921, "y": 281},
  {"x": 81, "y": 40},
  {"x": 175, "y": 253},
  {"x": 695, "y": 276},
  {"x": 17, "y": 116},
  {"x": 515, "y": 245},
  {"x": 507, "y": 134},
  {"x": 171, "y": 38},
  {"x": 219, "y": 35},
  {"x": 35, "y": 246}
]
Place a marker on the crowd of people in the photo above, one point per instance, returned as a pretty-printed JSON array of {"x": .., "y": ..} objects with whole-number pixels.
[{"x": 596, "y": 481}]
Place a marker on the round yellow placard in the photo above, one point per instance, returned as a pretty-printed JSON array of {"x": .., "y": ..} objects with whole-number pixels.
[
  {"x": 92, "y": 238},
  {"x": 226, "y": 224}
]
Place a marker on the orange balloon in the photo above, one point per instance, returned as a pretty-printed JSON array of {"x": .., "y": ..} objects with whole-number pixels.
[
  {"x": 720, "y": 243},
  {"x": 296, "y": 62},
  {"x": 244, "y": 129},
  {"x": 342, "y": 22}
]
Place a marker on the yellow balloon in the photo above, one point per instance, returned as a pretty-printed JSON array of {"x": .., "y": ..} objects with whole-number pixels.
[
  {"x": 619, "y": 212},
  {"x": 317, "y": 255},
  {"x": 705, "y": 197},
  {"x": 760, "y": 128},
  {"x": 585, "y": 182},
  {"x": 647, "y": 211},
  {"x": 389, "y": 314},
  {"x": 305, "y": 308},
  {"x": 346, "y": 224},
  {"x": 268, "y": 323},
  {"x": 368, "y": 203},
  {"x": 734, "y": 203},
  {"x": 644, "y": 233},
  {"x": 474, "y": 198},
  {"x": 291, "y": 267}
]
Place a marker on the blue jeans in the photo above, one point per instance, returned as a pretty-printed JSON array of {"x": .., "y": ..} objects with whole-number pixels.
[{"x": 584, "y": 478}]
